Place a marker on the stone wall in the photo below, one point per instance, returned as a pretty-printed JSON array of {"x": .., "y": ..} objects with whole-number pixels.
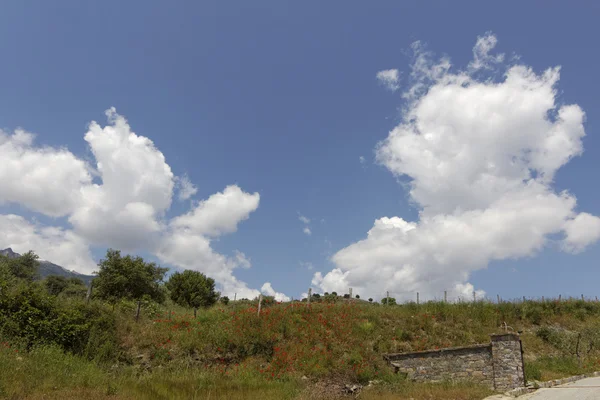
[
  {"x": 507, "y": 358},
  {"x": 498, "y": 365}
]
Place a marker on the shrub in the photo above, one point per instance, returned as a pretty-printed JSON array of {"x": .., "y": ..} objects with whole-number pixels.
[
  {"x": 532, "y": 372},
  {"x": 128, "y": 278},
  {"x": 192, "y": 289}
]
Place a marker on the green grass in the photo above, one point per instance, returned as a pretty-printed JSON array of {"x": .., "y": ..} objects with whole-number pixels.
[{"x": 229, "y": 352}]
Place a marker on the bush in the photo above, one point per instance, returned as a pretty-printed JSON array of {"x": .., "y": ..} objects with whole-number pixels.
[
  {"x": 192, "y": 289},
  {"x": 128, "y": 278},
  {"x": 532, "y": 372}
]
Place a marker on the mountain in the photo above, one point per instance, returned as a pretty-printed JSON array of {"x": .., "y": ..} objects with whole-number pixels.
[{"x": 47, "y": 268}]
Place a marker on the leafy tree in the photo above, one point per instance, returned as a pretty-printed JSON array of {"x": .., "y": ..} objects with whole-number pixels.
[
  {"x": 392, "y": 301},
  {"x": 70, "y": 287},
  {"x": 22, "y": 267},
  {"x": 128, "y": 278},
  {"x": 55, "y": 284},
  {"x": 225, "y": 300},
  {"x": 334, "y": 293},
  {"x": 192, "y": 289},
  {"x": 357, "y": 296}
]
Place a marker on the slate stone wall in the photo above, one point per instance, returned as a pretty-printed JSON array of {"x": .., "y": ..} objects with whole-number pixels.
[{"x": 498, "y": 365}]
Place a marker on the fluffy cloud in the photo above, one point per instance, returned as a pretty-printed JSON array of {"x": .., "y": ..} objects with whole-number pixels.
[
  {"x": 220, "y": 213},
  {"x": 268, "y": 290},
  {"x": 580, "y": 232},
  {"x": 186, "y": 243},
  {"x": 389, "y": 78},
  {"x": 137, "y": 185},
  {"x": 43, "y": 179},
  {"x": 306, "y": 230},
  {"x": 303, "y": 219},
  {"x": 186, "y": 188},
  {"x": 58, "y": 245},
  {"x": 479, "y": 155},
  {"x": 120, "y": 202}
]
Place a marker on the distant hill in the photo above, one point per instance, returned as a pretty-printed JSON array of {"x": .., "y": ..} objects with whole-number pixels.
[{"x": 47, "y": 268}]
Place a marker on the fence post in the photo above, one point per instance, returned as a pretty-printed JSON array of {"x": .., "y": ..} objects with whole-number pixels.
[
  {"x": 417, "y": 297},
  {"x": 498, "y": 298},
  {"x": 89, "y": 293},
  {"x": 259, "y": 303},
  {"x": 559, "y": 297},
  {"x": 350, "y": 293},
  {"x": 387, "y": 301},
  {"x": 309, "y": 296},
  {"x": 445, "y": 296},
  {"x": 582, "y": 299},
  {"x": 137, "y": 312}
]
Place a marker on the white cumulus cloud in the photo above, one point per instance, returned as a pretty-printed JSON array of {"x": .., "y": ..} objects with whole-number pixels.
[
  {"x": 58, "y": 245},
  {"x": 479, "y": 155},
  {"x": 268, "y": 290},
  {"x": 389, "y": 78},
  {"x": 43, "y": 179},
  {"x": 120, "y": 202},
  {"x": 186, "y": 188}
]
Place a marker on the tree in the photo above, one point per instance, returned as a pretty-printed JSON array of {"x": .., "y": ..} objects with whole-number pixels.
[
  {"x": 22, "y": 267},
  {"x": 334, "y": 293},
  {"x": 55, "y": 284},
  {"x": 128, "y": 278},
  {"x": 357, "y": 296},
  {"x": 71, "y": 287},
  {"x": 346, "y": 296},
  {"x": 392, "y": 301},
  {"x": 225, "y": 300},
  {"x": 192, "y": 289}
]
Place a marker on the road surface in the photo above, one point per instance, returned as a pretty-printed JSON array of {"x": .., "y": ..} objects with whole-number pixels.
[{"x": 584, "y": 389}]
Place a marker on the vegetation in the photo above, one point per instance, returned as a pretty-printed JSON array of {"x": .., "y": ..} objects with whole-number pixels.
[
  {"x": 128, "y": 278},
  {"x": 56, "y": 345},
  {"x": 192, "y": 289}
]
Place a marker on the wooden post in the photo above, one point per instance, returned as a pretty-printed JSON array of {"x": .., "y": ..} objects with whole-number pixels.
[
  {"x": 350, "y": 292},
  {"x": 582, "y": 299},
  {"x": 259, "y": 303},
  {"x": 387, "y": 302},
  {"x": 559, "y": 297},
  {"x": 498, "y": 298},
  {"x": 309, "y": 296},
  {"x": 445, "y": 296},
  {"x": 137, "y": 313},
  {"x": 234, "y": 297},
  {"x": 417, "y": 297},
  {"x": 88, "y": 296}
]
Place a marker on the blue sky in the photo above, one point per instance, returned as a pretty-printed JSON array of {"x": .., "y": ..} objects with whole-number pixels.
[{"x": 282, "y": 99}]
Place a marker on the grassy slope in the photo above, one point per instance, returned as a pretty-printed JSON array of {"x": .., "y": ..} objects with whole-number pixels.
[{"x": 230, "y": 352}]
